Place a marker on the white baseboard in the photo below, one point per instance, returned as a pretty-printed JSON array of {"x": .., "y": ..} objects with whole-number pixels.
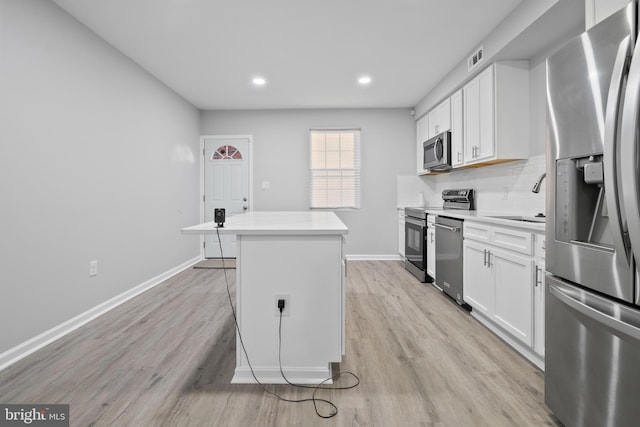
[
  {"x": 387, "y": 257},
  {"x": 20, "y": 351},
  {"x": 272, "y": 375}
]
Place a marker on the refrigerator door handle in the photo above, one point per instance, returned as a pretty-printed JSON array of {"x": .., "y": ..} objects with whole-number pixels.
[
  {"x": 629, "y": 155},
  {"x": 593, "y": 313},
  {"x": 611, "y": 153}
]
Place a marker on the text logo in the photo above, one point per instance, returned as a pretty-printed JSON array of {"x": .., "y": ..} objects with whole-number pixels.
[{"x": 34, "y": 415}]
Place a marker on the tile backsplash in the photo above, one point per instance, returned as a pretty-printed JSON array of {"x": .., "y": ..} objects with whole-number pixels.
[{"x": 504, "y": 187}]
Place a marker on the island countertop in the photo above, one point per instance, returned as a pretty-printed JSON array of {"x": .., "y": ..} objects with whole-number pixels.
[{"x": 265, "y": 222}]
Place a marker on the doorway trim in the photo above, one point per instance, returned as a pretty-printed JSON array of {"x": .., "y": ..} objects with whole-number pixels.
[{"x": 249, "y": 138}]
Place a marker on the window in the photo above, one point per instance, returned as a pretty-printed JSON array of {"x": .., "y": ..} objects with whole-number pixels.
[
  {"x": 227, "y": 152},
  {"x": 335, "y": 169}
]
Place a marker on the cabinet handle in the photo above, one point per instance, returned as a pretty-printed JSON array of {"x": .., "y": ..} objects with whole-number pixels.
[
  {"x": 344, "y": 259},
  {"x": 538, "y": 280},
  {"x": 484, "y": 259},
  {"x": 489, "y": 259}
]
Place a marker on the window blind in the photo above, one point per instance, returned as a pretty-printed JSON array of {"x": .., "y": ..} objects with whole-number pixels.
[{"x": 335, "y": 169}]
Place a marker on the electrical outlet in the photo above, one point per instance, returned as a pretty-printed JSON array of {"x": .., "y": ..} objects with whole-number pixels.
[
  {"x": 287, "y": 304},
  {"x": 93, "y": 268}
]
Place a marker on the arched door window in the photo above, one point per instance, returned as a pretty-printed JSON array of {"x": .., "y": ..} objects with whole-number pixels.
[{"x": 227, "y": 152}]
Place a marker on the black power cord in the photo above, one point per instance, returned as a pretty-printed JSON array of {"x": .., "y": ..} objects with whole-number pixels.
[
  {"x": 320, "y": 386},
  {"x": 313, "y": 398}
]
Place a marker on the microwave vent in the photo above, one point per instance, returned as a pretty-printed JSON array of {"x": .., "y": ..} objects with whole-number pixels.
[{"x": 476, "y": 58}]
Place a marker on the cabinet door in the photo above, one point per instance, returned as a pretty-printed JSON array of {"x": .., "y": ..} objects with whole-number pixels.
[
  {"x": 457, "y": 156},
  {"x": 444, "y": 116},
  {"x": 538, "y": 331},
  {"x": 432, "y": 119},
  {"x": 421, "y": 136},
  {"x": 431, "y": 252},
  {"x": 471, "y": 128},
  {"x": 487, "y": 110},
  {"x": 598, "y": 10},
  {"x": 513, "y": 278},
  {"x": 478, "y": 289}
]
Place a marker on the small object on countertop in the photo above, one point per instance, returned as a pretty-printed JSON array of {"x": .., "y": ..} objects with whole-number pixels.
[
  {"x": 540, "y": 215},
  {"x": 219, "y": 214}
]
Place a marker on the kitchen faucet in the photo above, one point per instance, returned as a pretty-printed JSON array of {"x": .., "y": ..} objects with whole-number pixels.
[{"x": 536, "y": 186}]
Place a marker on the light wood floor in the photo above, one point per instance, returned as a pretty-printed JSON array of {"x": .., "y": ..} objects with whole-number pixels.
[{"x": 166, "y": 358}]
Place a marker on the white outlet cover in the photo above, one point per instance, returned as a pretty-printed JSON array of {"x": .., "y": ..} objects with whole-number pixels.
[
  {"x": 287, "y": 305},
  {"x": 93, "y": 268},
  {"x": 266, "y": 185}
]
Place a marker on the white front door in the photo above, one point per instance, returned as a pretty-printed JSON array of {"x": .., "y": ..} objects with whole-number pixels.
[{"x": 226, "y": 185}]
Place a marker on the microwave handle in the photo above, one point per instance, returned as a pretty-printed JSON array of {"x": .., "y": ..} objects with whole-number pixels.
[{"x": 435, "y": 149}]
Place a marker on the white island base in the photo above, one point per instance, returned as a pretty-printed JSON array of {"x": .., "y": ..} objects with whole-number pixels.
[{"x": 298, "y": 257}]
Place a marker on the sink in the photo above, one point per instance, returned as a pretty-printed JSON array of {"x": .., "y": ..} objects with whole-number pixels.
[{"x": 521, "y": 218}]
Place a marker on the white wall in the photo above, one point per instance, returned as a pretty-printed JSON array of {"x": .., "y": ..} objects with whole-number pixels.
[
  {"x": 97, "y": 161},
  {"x": 281, "y": 156}
]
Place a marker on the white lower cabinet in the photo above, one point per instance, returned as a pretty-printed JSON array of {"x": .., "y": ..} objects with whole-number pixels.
[
  {"x": 513, "y": 293},
  {"x": 538, "y": 341},
  {"x": 538, "y": 295},
  {"x": 477, "y": 278},
  {"x": 502, "y": 287}
]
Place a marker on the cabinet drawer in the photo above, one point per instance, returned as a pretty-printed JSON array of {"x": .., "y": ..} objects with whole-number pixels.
[
  {"x": 477, "y": 231},
  {"x": 514, "y": 240}
]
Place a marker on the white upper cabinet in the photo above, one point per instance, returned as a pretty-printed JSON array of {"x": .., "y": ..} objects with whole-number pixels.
[
  {"x": 496, "y": 114},
  {"x": 434, "y": 122},
  {"x": 422, "y": 132},
  {"x": 439, "y": 119},
  {"x": 597, "y": 10},
  {"x": 457, "y": 130}
]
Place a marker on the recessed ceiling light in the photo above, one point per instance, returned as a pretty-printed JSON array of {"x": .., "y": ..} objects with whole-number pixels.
[
  {"x": 259, "y": 81},
  {"x": 364, "y": 80}
]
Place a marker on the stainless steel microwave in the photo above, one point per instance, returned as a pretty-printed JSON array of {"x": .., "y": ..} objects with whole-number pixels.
[{"x": 437, "y": 152}]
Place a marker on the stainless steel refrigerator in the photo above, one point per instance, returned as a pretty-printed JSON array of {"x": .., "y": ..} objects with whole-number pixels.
[{"x": 592, "y": 361}]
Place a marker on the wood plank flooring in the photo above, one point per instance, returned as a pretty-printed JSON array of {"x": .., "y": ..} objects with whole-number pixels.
[{"x": 166, "y": 358}]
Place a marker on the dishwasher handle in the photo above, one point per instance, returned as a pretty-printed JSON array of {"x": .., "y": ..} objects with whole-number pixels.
[{"x": 446, "y": 227}]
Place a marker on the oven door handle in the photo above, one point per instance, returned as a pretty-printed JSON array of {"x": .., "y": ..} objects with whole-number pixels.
[{"x": 446, "y": 227}]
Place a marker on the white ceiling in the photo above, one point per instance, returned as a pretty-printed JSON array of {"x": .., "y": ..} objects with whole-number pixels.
[{"x": 310, "y": 51}]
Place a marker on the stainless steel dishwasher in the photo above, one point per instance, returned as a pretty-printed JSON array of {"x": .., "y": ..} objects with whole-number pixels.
[{"x": 449, "y": 257}]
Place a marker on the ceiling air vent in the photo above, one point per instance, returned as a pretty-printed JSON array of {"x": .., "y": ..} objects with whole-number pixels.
[{"x": 475, "y": 58}]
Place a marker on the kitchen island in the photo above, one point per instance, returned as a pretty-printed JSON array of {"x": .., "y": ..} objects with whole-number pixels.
[{"x": 298, "y": 257}]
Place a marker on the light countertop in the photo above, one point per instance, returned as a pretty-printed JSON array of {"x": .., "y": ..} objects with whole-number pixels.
[
  {"x": 487, "y": 217},
  {"x": 264, "y": 223}
]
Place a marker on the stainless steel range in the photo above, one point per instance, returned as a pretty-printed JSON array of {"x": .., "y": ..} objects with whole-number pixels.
[{"x": 416, "y": 230}]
